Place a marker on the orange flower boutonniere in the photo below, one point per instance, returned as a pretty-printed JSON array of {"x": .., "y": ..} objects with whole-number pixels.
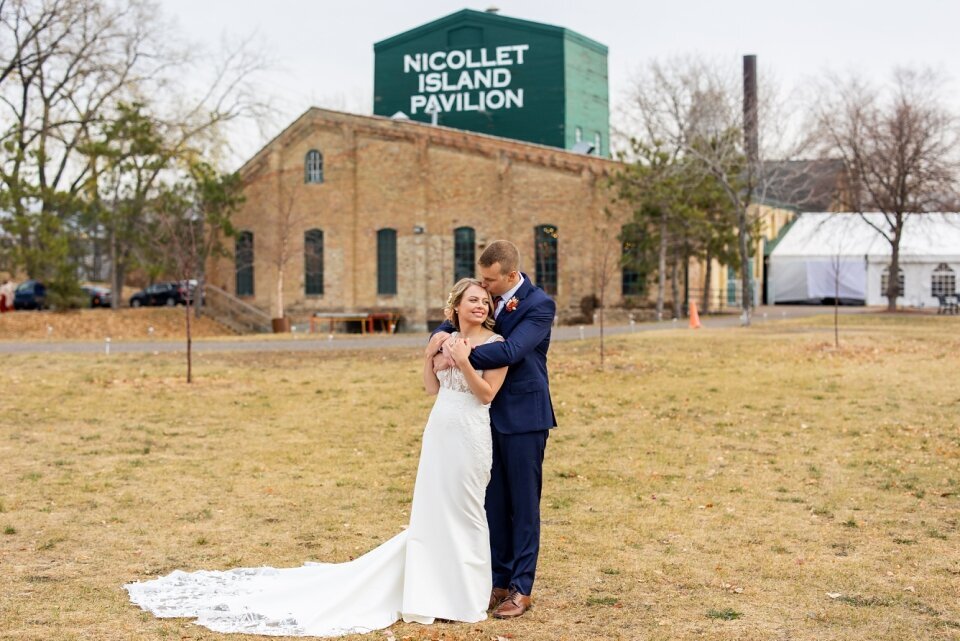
[{"x": 512, "y": 304}]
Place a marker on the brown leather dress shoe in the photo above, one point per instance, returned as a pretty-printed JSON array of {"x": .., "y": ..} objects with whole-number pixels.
[
  {"x": 497, "y": 596},
  {"x": 513, "y": 606}
]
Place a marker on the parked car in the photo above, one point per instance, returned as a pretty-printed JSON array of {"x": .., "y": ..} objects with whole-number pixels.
[
  {"x": 99, "y": 296},
  {"x": 30, "y": 294},
  {"x": 160, "y": 294}
]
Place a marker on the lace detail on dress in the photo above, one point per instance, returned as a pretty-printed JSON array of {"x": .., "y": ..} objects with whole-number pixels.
[{"x": 452, "y": 378}]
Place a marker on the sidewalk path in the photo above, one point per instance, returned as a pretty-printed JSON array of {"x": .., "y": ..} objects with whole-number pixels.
[{"x": 305, "y": 343}]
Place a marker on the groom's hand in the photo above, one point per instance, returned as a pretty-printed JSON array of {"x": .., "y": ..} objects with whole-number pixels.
[
  {"x": 435, "y": 343},
  {"x": 441, "y": 362}
]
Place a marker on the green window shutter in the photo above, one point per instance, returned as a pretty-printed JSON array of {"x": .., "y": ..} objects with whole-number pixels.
[
  {"x": 386, "y": 262},
  {"x": 545, "y": 255},
  {"x": 313, "y": 262},
  {"x": 243, "y": 254},
  {"x": 464, "y": 253}
]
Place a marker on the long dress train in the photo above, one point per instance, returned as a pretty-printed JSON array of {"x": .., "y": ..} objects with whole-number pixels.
[{"x": 439, "y": 567}]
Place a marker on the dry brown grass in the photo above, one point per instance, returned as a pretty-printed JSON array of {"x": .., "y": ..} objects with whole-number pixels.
[
  {"x": 97, "y": 324},
  {"x": 708, "y": 485}
]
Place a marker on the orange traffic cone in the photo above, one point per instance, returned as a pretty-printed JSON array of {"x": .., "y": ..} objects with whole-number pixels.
[{"x": 694, "y": 316}]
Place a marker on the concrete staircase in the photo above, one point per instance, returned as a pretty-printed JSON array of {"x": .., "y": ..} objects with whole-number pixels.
[{"x": 230, "y": 311}]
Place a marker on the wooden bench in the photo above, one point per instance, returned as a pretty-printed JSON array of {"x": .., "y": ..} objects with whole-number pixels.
[{"x": 388, "y": 320}]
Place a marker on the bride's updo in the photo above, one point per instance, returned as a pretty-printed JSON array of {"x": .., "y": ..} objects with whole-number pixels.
[{"x": 456, "y": 296}]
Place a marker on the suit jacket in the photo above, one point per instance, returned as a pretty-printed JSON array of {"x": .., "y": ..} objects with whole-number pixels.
[{"x": 523, "y": 403}]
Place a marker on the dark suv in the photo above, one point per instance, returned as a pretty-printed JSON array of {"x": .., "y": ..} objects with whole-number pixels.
[
  {"x": 30, "y": 294},
  {"x": 160, "y": 294}
]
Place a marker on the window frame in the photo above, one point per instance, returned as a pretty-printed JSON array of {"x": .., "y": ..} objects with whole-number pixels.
[
  {"x": 386, "y": 261},
  {"x": 943, "y": 281},
  {"x": 244, "y": 245},
  {"x": 464, "y": 240},
  {"x": 312, "y": 238},
  {"x": 901, "y": 282},
  {"x": 313, "y": 167},
  {"x": 547, "y": 257}
]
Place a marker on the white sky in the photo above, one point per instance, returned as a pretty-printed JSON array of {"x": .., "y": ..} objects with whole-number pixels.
[{"x": 324, "y": 50}]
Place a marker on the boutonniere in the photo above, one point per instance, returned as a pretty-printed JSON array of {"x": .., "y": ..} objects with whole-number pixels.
[{"x": 512, "y": 304}]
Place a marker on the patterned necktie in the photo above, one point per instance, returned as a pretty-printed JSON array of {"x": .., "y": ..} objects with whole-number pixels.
[{"x": 496, "y": 304}]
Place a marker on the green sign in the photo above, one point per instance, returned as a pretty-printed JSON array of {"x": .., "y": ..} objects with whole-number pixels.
[{"x": 496, "y": 75}]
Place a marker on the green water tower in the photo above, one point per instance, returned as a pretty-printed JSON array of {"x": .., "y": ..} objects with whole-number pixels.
[{"x": 484, "y": 72}]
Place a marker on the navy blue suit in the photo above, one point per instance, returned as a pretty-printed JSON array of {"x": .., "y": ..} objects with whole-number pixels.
[{"x": 521, "y": 415}]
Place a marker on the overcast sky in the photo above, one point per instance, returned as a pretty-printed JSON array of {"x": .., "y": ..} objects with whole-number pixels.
[{"x": 324, "y": 50}]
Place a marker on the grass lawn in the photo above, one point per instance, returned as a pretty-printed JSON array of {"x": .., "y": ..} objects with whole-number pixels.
[{"x": 740, "y": 484}]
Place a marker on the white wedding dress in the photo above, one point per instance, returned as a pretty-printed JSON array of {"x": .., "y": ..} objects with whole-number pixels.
[{"x": 439, "y": 567}]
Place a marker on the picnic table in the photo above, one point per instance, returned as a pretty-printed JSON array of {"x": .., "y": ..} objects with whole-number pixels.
[
  {"x": 368, "y": 320},
  {"x": 949, "y": 303}
]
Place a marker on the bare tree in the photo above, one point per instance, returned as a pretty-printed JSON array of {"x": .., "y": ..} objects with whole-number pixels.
[
  {"x": 69, "y": 61},
  {"x": 193, "y": 216},
  {"x": 898, "y": 148},
  {"x": 68, "y": 68},
  {"x": 694, "y": 110},
  {"x": 286, "y": 240}
]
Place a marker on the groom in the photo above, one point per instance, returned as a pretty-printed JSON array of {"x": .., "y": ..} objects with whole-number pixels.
[{"x": 521, "y": 415}]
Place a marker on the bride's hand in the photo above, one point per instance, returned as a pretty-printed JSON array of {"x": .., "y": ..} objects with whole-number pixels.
[{"x": 458, "y": 349}]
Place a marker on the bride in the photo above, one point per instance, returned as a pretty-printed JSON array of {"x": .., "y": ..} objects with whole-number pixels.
[{"x": 438, "y": 568}]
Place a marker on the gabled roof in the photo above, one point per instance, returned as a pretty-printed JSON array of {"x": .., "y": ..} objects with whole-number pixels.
[
  {"x": 494, "y": 19},
  {"x": 403, "y": 129}
]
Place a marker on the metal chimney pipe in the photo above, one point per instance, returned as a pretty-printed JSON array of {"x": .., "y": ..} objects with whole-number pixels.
[{"x": 751, "y": 136}]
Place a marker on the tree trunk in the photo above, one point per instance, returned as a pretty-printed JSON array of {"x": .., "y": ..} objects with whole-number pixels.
[
  {"x": 116, "y": 287},
  {"x": 662, "y": 267},
  {"x": 186, "y": 309},
  {"x": 675, "y": 285},
  {"x": 893, "y": 280},
  {"x": 705, "y": 306},
  {"x": 279, "y": 308}
]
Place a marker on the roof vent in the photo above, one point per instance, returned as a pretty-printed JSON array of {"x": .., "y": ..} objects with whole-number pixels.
[{"x": 493, "y": 9}]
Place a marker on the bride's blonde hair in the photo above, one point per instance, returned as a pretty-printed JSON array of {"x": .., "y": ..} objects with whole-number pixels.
[{"x": 456, "y": 295}]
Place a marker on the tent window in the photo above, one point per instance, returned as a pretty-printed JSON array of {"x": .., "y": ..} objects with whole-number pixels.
[
  {"x": 885, "y": 279},
  {"x": 943, "y": 281}
]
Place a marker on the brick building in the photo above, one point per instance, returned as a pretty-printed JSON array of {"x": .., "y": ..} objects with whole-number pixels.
[{"x": 349, "y": 213}]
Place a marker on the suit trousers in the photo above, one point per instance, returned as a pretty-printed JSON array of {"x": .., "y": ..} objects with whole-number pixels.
[{"x": 513, "y": 508}]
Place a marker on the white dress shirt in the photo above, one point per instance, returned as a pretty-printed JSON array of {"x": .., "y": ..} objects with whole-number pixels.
[{"x": 507, "y": 296}]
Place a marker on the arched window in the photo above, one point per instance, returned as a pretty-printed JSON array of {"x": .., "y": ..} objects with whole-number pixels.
[
  {"x": 545, "y": 255},
  {"x": 313, "y": 262},
  {"x": 386, "y": 261},
  {"x": 633, "y": 280},
  {"x": 313, "y": 167},
  {"x": 464, "y": 253},
  {"x": 885, "y": 280},
  {"x": 243, "y": 256},
  {"x": 943, "y": 281}
]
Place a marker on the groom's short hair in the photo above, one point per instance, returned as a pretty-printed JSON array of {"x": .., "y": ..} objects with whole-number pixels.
[{"x": 503, "y": 252}]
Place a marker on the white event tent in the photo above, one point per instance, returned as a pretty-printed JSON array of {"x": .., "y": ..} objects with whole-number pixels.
[{"x": 822, "y": 253}]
